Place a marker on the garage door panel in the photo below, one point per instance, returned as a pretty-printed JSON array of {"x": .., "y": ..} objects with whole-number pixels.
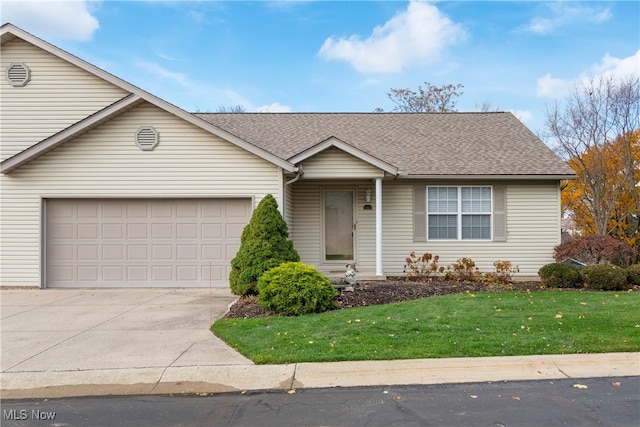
[
  {"x": 112, "y": 231},
  {"x": 62, "y": 253},
  {"x": 162, "y": 231},
  {"x": 136, "y": 209},
  {"x": 212, "y": 231},
  {"x": 237, "y": 209},
  {"x": 234, "y": 231},
  {"x": 88, "y": 274},
  {"x": 154, "y": 242},
  {"x": 112, "y": 252},
  {"x": 137, "y": 231},
  {"x": 186, "y": 231},
  {"x": 112, "y": 273},
  {"x": 112, "y": 209},
  {"x": 87, "y": 231}
]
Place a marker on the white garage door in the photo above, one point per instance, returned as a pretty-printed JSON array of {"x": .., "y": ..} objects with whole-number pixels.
[{"x": 142, "y": 243}]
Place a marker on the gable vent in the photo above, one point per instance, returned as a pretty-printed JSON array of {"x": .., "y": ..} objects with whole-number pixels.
[
  {"x": 18, "y": 74},
  {"x": 147, "y": 138}
]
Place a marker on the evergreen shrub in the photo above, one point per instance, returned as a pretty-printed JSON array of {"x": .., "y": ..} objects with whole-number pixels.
[
  {"x": 633, "y": 275},
  {"x": 560, "y": 275},
  {"x": 264, "y": 244},
  {"x": 605, "y": 277},
  {"x": 294, "y": 288}
]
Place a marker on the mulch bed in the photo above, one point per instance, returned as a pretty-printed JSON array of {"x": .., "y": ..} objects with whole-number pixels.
[{"x": 385, "y": 292}]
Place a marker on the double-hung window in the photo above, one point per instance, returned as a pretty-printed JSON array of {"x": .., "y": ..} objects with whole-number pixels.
[{"x": 459, "y": 213}]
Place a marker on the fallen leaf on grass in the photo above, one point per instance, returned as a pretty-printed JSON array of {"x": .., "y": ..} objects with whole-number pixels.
[{"x": 559, "y": 316}]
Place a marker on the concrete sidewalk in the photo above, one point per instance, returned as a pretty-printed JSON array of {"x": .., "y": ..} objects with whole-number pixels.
[{"x": 59, "y": 343}]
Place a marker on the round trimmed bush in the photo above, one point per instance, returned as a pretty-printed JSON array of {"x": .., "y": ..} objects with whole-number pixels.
[
  {"x": 294, "y": 288},
  {"x": 633, "y": 275},
  {"x": 605, "y": 277},
  {"x": 560, "y": 275}
]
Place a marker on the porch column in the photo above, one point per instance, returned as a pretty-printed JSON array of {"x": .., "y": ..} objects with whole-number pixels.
[{"x": 378, "y": 226}]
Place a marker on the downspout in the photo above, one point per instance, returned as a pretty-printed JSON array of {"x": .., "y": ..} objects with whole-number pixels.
[{"x": 299, "y": 174}]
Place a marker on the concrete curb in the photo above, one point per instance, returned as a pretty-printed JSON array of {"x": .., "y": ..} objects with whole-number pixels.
[{"x": 241, "y": 378}]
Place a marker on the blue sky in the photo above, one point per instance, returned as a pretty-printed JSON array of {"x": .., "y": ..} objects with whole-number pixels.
[{"x": 319, "y": 56}]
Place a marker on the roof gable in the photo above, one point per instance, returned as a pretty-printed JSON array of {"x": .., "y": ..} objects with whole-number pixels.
[
  {"x": 336, "y": 143},
  {"x": 9, "y": 33}
]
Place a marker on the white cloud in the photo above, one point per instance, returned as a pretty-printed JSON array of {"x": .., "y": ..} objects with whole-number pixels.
[
  {"x": 609, "y": 66},
  {"x": 625, "y": 67},
  {"x": 414, "y": 36},
  {"x": 565, "y": 13},
  {"x": 274, "y": 108},
  {"x": 52, "y": 19},
  {"x": 551, "y": 87},
  {"x": 157, "y": 70},
  {"x": 524, "y": 116}
]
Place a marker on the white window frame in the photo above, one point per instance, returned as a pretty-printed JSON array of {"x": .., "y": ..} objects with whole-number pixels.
[{"x": 459, "y": 214}]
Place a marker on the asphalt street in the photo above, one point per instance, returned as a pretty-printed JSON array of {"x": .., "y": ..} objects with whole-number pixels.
[{"x": 588, "y": 402}]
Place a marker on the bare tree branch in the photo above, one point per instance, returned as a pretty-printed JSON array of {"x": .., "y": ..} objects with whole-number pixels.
[
  {"x": 431, "y": 99},
  {"x": 593, "y": 116}
]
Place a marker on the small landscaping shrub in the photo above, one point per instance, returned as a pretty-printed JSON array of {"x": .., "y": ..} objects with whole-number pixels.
[
  {"x": 264, "y": 244},
  {"x": 464, "y": 270},
  {"x": 604, "y": 277},
  {"x": 633, "y": 275},
  {"x": 559, "y": 275},
  {"x": 294, "y": 288},
  {"x": 503, "y": 274},
  {"x": 421, "y": 267},
  {"x": 596, "y": 249}
]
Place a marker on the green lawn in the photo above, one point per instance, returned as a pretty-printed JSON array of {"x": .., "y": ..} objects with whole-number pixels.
[{"x": 481, "y": 324}]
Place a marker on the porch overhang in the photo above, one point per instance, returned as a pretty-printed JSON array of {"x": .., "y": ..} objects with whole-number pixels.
[{"x": 334, "y": 142}]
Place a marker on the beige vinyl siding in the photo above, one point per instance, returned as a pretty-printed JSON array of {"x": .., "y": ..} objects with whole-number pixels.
[
  {"x": 336, "y": 164},
  {"x": 58, "y": 95},
  {"x": 106, "y": 163},
  {"x": 288, "y": 208},
  {"x": 305, "y": 228},
  {"x": 533, "y": 229}
]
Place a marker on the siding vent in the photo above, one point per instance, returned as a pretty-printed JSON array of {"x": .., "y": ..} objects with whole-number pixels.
[
  {"x": 18, "y": 74},
  {"x": 147, "y": 138}
]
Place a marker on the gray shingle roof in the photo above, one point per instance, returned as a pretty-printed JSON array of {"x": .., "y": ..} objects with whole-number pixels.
[{"x": 416, "y": 143}]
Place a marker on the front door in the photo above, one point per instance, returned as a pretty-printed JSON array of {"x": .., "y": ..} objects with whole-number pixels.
[{"x": 338, "y": 225}]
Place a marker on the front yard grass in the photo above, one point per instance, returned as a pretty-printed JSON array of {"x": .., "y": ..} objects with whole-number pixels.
[{"x": 459, "y": 325}]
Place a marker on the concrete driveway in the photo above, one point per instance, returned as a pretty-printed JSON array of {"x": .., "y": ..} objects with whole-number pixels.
[{"x": 116, "y": 332}]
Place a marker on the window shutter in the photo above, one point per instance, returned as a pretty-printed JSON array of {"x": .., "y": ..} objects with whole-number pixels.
[
  {"x": 419, "y": 214},
  {"x": 500, "y": 213}
]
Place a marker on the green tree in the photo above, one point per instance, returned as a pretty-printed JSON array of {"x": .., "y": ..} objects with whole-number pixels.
[{"x": 264, "y": 244}]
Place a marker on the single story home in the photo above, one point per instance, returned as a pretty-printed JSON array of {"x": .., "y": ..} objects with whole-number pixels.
[{"x": 106, "y": 185}]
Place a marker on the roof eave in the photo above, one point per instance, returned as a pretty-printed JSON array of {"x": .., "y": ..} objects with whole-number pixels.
[{"x": 492, "y": 177}]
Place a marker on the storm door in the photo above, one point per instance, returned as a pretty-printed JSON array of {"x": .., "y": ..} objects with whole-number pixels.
[{"x": 338, "y": 225}]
